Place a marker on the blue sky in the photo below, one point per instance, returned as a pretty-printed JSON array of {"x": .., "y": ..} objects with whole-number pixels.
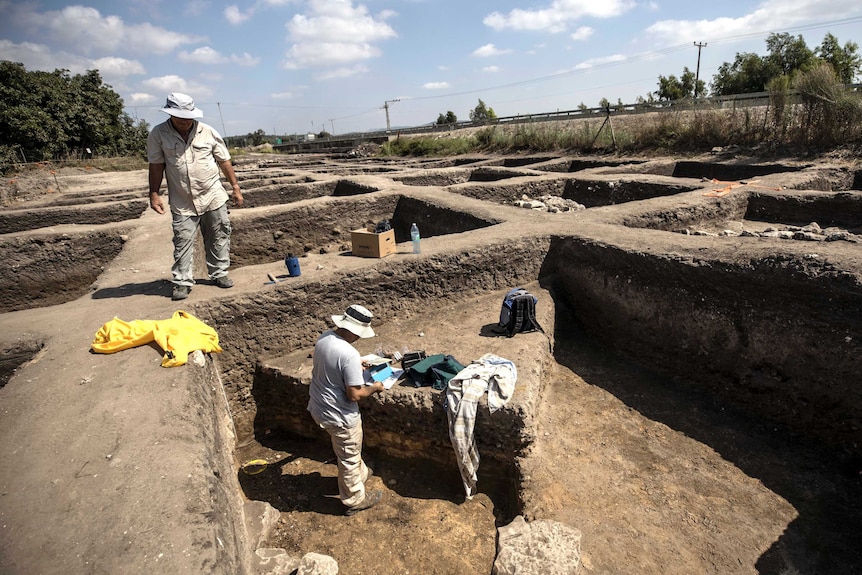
[{"x": 296, "y": 66}]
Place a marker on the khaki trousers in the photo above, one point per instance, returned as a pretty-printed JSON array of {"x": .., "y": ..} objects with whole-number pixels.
[{"x": 352, "y": 471}]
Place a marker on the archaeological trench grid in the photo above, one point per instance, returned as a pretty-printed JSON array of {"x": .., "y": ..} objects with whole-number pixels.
[{"x": 692, "y": 406}]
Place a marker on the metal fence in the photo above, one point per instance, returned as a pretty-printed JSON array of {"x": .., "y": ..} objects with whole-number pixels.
[{"x": 715, "y": 102}]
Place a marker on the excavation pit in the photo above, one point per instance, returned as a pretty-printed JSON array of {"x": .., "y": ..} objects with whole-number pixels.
[
  {"x": 14, "y": 357},
  {"x": 324, "y": 226},
  {"x": 729, "y": 172},
  {"x": 51, "y": 269},
  {"x": 434, "y": 178},
  {"x": 592, "y": 193},
  {"x": 494, "y": 174},
  {"x": 278, "y": 194},
  {"x": 507, "y": 193},
  {"x": 406, "y": 440},
  {"x": 748, "y": 213},
  {"x": 528, "y": 161}
]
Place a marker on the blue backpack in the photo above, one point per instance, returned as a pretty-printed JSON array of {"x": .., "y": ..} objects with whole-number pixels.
[{"x": 518, "y": 313}]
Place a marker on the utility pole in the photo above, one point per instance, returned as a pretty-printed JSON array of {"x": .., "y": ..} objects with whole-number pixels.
[
  {"x": 332, "y": 125},
  {"x": 223, "y": 131},
  {"x": 697, "y": 73},
  {"x": 386, "y": 107}
]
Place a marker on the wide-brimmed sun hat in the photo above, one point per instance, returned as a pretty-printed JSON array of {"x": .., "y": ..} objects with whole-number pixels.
[
  {"x": 356, "y": 320},
  {"x": 182, "y": 106}
]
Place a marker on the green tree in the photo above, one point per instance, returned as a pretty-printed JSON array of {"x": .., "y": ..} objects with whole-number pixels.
[
  {"x": 448, "y": 118},
  {"x": 45, "y": 115},
  {"x": 673, "y": 88},
  {"x": 844, "y": 60},
  {"x": 787, "y": 55},
  {"x": 256, "y": 137},
  {"x": 482, "y": 113},
  {"x": 748, "y": 73}
]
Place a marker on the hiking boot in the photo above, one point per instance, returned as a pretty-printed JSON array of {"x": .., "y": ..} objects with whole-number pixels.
[
  {"x": 371, "y": 499},
  {"x": 180, "y": 292},
  {"x": 224, "y": 282}
]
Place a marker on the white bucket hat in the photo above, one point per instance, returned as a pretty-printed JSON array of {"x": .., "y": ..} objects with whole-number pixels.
[
  {"x": 356, "y": 320},
  {"x": 182, "y": 106}
]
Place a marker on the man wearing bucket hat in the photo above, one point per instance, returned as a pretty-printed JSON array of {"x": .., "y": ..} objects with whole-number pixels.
[
  {"x": 189, "y": 154},
  {"x": 336, "y": 387}
]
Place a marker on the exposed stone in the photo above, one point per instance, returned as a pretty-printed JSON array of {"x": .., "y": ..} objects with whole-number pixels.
[
  {"x": 316, "y": 564},
  {"x": 538, "y": 548},
  {"x": 260, "y": 518},
  {"x": 275, "y": 561}
]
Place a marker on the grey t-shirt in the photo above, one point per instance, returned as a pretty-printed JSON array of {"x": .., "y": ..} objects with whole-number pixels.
[{"x": 336, "y": 366}]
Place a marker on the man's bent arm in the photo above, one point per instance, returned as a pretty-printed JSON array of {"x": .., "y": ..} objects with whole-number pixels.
[{"x": 355, "y": 393}]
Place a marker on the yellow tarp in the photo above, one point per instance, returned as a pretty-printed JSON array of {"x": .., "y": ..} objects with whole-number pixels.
[{"x": 178, "y": 337}]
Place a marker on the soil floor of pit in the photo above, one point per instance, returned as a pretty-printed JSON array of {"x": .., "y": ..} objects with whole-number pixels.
[{"x": 659, "y": 477}]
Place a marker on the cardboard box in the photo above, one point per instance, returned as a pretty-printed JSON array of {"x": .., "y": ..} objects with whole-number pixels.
[{"x": 365, "y": 243}]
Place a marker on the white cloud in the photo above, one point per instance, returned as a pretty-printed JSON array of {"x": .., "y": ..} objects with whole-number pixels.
[
  {"x": 436, "y": 85},
  {"x": 557, "y": 16},
  {"x": 236, "y": 16},
  {"x": 208, "y": 56},
  {"x": 40, "y": 57},
  {"x": 87, "y": 31},
  {"x": 118, "y": 67},
  {"x": 768, "y": 15},
  {"x": 653, "y": 6},
  {"x": 489, "y": 50},
  {"x": 283, "y": 95},
  {"x": 491, "y": 69},
  {"x": 593, "y": 62},
  {"x": 245, "y": 59},
  {"x": 141, "y": 98},
  {"x": 171, "y": 83},
  {"x": 328, "y": 54},
  {"x": 203, "y": 55},
  {"x": 334, "y": 32},
  {"x": 343, "y": 72},
  {"x": 582, "y": 33}
]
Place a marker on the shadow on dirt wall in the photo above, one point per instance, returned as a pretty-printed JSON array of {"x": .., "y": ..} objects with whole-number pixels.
[{"x": 824, "y": 488}]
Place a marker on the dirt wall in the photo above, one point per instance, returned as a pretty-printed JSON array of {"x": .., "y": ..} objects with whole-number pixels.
[
  {"x": 842, "y": 209},
  {"x": 779, "y": 337},
  {"x": 22, "y": 220},
  {"x": 49, "y": 269}
]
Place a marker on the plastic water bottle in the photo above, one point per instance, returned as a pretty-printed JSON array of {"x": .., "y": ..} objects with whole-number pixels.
[{"x": 414, "y": 237}]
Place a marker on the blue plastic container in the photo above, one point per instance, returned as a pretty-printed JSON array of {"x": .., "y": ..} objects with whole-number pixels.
[{"x": 292, "y": 264}]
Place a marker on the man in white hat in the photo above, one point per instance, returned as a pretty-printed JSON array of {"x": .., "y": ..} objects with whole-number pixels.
[
  {"x": 337, "y": 385},
  {"x": 189, "y": 153}
]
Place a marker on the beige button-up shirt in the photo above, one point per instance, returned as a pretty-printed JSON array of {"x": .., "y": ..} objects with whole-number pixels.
[{"x": 191, "y": 168}]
